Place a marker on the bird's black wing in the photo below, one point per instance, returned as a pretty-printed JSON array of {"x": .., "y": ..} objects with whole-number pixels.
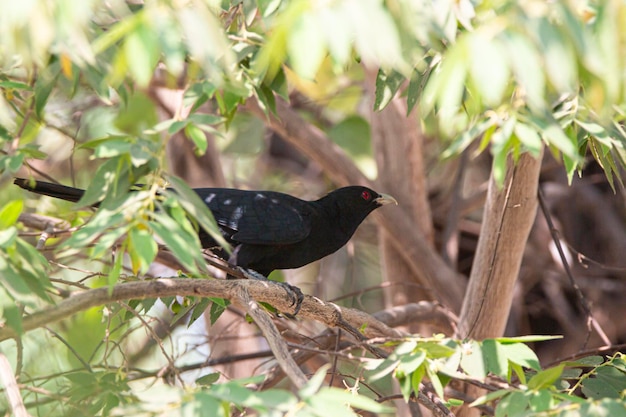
[{"x": 258, "y": 217}]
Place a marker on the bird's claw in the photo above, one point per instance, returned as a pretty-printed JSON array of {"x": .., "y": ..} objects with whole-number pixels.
[
  {"x": 297, "y": 297},
  {"x": 293, "y": 292}
]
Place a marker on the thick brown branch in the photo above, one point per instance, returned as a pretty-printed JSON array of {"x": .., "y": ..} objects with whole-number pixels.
[{"x": 260, "y": 291}]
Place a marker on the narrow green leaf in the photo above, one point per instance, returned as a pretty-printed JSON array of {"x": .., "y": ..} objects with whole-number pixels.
[
  {"x": 114, "y": 274},
  {"x": 198, "y": 210},
  {"x": 208, "y": 379},
  {"x": 545, "y": 378},
  {"x": 142, "y": 53},
  {"x": 110, "y": 180},
  {"x": 527, "y": 67},
  {"x": 184, "y": 245},
  {"x": 218, "y": 306},
  {"x": 520, "y": 354},
  {"x": 416, "y": 378},
  {"x": 9, "y": 213},
  {"x": 527, "y": 339},
  {"x": 198, "y": 137},
  {"x": 305, "y": 46},
  {"x": 529, "y": 137},
  {"x": 8, "y": 237},
  {"x": 490, "y": 397},
  {"x": 314, "y": 384},
  {"x": 434, "y": 379},
  {"x": 387, "y": 84},
  {"x": 142, "y": 246},
  {"x": 333, "y": 399},
  {"x": 489, "y": 71},
  {"x": 43, "y": 87}
]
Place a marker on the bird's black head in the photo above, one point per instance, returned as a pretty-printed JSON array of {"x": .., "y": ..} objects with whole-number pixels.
[{"x": 351, "y": 205}]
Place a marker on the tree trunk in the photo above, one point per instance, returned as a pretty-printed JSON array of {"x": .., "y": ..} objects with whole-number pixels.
[
  {"x": 398, "y": 151},
  {"x": 507, "y": 219}
]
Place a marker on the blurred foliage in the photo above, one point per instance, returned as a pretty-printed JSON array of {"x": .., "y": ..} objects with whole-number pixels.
[{"x": 76, "y": 76}]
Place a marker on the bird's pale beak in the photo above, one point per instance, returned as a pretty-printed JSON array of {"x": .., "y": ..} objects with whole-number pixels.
[{"x": 383, "y": 199}]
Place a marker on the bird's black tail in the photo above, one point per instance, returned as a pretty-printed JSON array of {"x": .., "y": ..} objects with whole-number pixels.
[{"x": 50, "y": 189}]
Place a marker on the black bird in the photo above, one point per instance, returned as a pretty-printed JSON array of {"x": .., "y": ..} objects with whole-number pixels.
[{"x": 269, "y": 230}]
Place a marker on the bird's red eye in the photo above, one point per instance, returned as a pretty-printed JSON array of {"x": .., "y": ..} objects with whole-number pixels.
[{"x": 366, "y": 195}]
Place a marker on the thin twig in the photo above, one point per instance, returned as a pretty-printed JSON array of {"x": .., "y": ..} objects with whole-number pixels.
[{"x": 591, "y": 321}]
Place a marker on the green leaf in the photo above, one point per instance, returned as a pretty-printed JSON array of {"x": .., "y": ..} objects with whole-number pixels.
[
  {"x": 198, "y": 137},
  {"x": 111, "y": 180},
  {"x": 43, "y": 87},
  {"x": 314, "y": 384},
  {"x": 208, "y": 379},
  {"x": 529, "y": 137},
  {"x": 490, "y": 397},
  {"x": 416, "y": 378},
  {"x": 198, "y": 210},
  {"x": 13, "y": 317},
  {"x": 9, "y": 213},
  {"x": 586, "y": 361},
  {"x": 545, "y": 378},
  {"x": 489, "y": 71},
  {"x": 142, "y": 249},
  {"x": 560, "y": 62},
  {"x": 541, "y": 401},
  {"x": 526, "y": 339},
  {"x": 198, "y": 310},
  {"x": 607, "y": 382},
  {"x": 472, "y": 360},
  {"x": 114, "y": 273},
  {"x": 406, "y": 387},
  {"x": 202, "y": 405},
  {"x": 11, "y": 163},
  {"x": 513, "y": 405},
  {"x": 330, "y": 401},
  {"x": 410, "y": 362},
  {"x": 8, "y": 237},
  {"x": 218, "y": 306},
  {"x": 102, "y": 220},
  {"x": 436, "y": 349},
  {"x": 527, "y": 67},
  {"x": 184, "y": 245},
  {"x": 468, "y": 136},
  {"x": 353, "y": 134},
  {"x": 205, "y": 119},
  {"x": 495, "y": 358},
  {"x": 387, "y": 84},
  {"x": 521, "y": 354},
  {"x": 435, "y": 381},
  {"x": 141, "y": 53},
  {"x": 305, "y": 46}
]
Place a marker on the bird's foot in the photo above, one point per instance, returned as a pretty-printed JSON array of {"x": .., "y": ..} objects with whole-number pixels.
[{"x": 294, "y": 293}]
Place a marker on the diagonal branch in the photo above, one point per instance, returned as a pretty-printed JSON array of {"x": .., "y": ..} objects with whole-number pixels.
[{"x": 273, "y": 337}]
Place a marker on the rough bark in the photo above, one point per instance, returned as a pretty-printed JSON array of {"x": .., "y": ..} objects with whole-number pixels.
[
  {"x": 508, "y": 217},
  {"x": 507, "y": 220}
]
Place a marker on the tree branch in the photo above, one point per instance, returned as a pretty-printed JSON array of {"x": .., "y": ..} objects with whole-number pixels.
[{"x": 261, "y": 291}]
